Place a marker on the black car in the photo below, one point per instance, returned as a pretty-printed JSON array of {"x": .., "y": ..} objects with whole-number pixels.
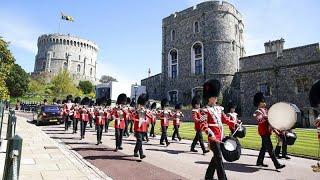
[{"x": 49, "y": 114}]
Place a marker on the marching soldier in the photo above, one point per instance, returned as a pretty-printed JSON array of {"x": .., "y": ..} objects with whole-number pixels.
[
  {"x": 100, "y": 121},
  {"x": 153, "y": 119},
  {"x": 261, "y": 115},
  {"x": 140, "y": 124},
  {"x": 196, "y": 100},
  {"x": 212, "y": 117},
  {"x": 84, "y": 113},
  {"x": 128, "y": 118},
  {"x": 108, "y": 112},
  {"x": 176, "y": 116},
  {"x": 119, "y": 120},
  {"x": 164, "y": 115},
  {"x": 68, "y": 113}
]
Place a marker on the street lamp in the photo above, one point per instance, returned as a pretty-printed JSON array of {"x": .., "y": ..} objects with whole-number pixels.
[{"x": 135, "y": 91}]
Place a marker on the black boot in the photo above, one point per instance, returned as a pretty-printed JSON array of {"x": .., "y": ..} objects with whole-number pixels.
[{"x": 277, "y": 151}]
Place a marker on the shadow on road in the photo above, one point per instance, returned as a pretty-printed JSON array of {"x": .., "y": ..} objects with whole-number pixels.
[
  {"x": 169, "y": 151},
  {"x": 93, "y": 149},
  {"x": 112, "y": 157}
]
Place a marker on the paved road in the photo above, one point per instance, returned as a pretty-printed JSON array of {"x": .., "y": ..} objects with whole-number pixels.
[{"x": 173, "y": 162}]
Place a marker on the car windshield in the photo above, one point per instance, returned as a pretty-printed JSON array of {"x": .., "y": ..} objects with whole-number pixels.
[{"x": 50, "y": 108}]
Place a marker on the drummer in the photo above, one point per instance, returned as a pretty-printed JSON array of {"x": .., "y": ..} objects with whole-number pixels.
[
  {"x": 212, "y": 117},
  {"x": 261, "y": 115}
]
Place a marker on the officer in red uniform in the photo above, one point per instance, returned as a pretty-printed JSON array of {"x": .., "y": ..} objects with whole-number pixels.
[
  {"x": 68, "y": 113},
  {"x": 119, "y": 114},
  {"x": 140, "y": 124},
  {"x": 84, "y": 114},
  {"x": 108, "y": 113},
  {"x": 176, "y": 117},
  {"x": 100, "y": 121},
  {"x": 76, "y": 115},
  {"x": 153, "y": 119},
  {"x": 164, "y": 115},
  {"x": 261, "y": 115},
  {"x": 196, "y": 101},
  {"x": 212, "y": 117}
]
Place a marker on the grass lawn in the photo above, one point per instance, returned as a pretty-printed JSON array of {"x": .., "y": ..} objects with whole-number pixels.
[{"x": 306, "y": 144}]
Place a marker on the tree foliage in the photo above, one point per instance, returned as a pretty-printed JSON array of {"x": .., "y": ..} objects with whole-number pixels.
[
  {"x": 85, "y": 86},
  {"x": 6, "y": 62},
  {"x": 17, "y": 81},
  {"x": 107, "y": 79},
  {"x": 63, "y": 85}
]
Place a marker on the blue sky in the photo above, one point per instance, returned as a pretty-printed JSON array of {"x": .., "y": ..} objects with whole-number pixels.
[{"x": 128, "y": 32}]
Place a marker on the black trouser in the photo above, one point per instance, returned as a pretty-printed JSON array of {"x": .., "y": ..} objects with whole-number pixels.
[
  {"x": 197, "y": 138},
  {"x": 99, "y": 132},
  {"x": 75, "y": 125},
  {"x": 126, "y": 132},
  {"x": 83, "y": 126},
  {"x": 68, "y": 118},
  {"x": 138, "y": 147},
  {"x": 164, "y": 134},
  {"x": 131, "y": 125},
  {"x": 216, "y": 163},
  {"x": 152, "y": 129},
  {"x": 176, "y": 132},
  {"x": 145, "y": 136},
  {"x": 119, "y": 135},
  {"x": 90, "y": 122},
  {"x": 106, "y": 125},
  {"x": 267, "y": 146},
  {"x": 284, "y": 147}
]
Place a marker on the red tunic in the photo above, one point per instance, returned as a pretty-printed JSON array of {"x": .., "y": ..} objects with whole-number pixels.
[
  {"x": 164, "y": 116},
  {"x": 140, "y": 119},
  {"x": 196, "y": 118},
  {"x": 213, "y": 117},
  {"x": 84, "y": 114},
  {"x": 76, "y": 114},
  {"x": 67, "y": 109},
  {"x": 119, "y": 117},
  {"x": 177, "y": 118},
  {"x": 261, "y": 116},
  {"x": 100, "y": 118}
]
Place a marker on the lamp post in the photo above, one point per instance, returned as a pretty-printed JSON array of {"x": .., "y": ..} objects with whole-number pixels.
[{"x": 135, "y": 91}]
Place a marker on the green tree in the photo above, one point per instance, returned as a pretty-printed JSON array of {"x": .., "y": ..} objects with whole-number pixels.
[
  {"x": 85, "y": 86},
  {"x": 63, "y": 85},
  {"x": 6, "y": 62},
  {"x": 17, "y": 81},
  {"x": 107, "y": 79}
]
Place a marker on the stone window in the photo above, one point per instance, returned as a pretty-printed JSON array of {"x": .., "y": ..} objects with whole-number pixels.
[
  {"x": 90, "y": 71},
  {"x": 233, "y": 45},
  {"x": 53, "y": 54},
  {"x": 173, "y": 64},
  {"x": 265, "y": 89},
  {"x": 236, "y": 29},
  {"x": 64, "y": 42},
  {"x": 78, "y": 68},
  {"x": 65, "y": 66},
  {"x": 60, "y": 41},
  {"x": 78, "y": 44},
  {"x": 173, "y": 35},
  {"x": 44, "y": 65},
  {"x": 197, "y": 58},
  {"x": 81, "y": 44},
  {"x": 196, "y": 28},
  {"x": 197, "y": 91},
  {"x": 67, "y": 42},
  {"x": 79, "y": 57},
  {"x": 74, "y": 43},
  {"x": 302, "y": 85},
  {"x": 173, "y": 97}
]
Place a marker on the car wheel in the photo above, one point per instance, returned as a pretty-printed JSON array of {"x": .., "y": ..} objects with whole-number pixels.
[{"x": 38, "y": 123}]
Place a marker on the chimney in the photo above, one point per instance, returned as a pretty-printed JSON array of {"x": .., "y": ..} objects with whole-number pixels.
[{"x": 275, "y": 46}]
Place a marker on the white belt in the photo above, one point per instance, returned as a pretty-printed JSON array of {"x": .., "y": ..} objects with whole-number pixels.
[{"x": 213, "y": 125}]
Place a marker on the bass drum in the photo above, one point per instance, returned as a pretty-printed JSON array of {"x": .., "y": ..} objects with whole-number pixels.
[
  {"x": 241, "y": 132},
  {"x": 230, "y": 148},
  {"x": 283, "y": 116},
  {"x": 291, "y": 138}
]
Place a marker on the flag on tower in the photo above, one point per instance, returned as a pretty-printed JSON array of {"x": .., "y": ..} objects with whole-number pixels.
[{"x": 66, "y": 17}]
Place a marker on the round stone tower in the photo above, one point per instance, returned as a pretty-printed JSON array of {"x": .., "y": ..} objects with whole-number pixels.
[
  {"x": 199, "y": 43},
  {"x": 57, "y": 52}
]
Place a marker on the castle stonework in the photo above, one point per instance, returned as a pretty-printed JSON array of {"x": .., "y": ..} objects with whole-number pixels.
[
  {"x": 57, "y": 52},
  {"x": 206, "y": 42},
  {"x": 198, "y": 43}
]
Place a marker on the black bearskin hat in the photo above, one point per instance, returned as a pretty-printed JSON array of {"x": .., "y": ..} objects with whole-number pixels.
[
  {"x": 122, "y": 99},
  {"x": 178, "y": 106},
  {"x": 128, "y": 100},
  {"x": 164, "y": 103},
  {"x": 258, "y": 98},
  {"x": 142, "y": 99},
  {"x": 108, "y": 103},
  {"x": 231, "y": 105},
  {"x": 69, "y": 97},
  {"x": 85, "y": 101},
  {"x": 153, "y": 106},
  {"x": 314, "y": 95},
  {"x": 196, "y": 100},
  {"x": 211, "y": 88},
  {"x": 77, "y": 100}
]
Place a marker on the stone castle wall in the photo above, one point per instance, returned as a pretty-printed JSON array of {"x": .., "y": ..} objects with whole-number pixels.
[{"x": 57, "y": 52}]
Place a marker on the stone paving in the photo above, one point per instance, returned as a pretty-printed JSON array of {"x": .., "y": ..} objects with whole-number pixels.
[{"x": 44, "y": 159}]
